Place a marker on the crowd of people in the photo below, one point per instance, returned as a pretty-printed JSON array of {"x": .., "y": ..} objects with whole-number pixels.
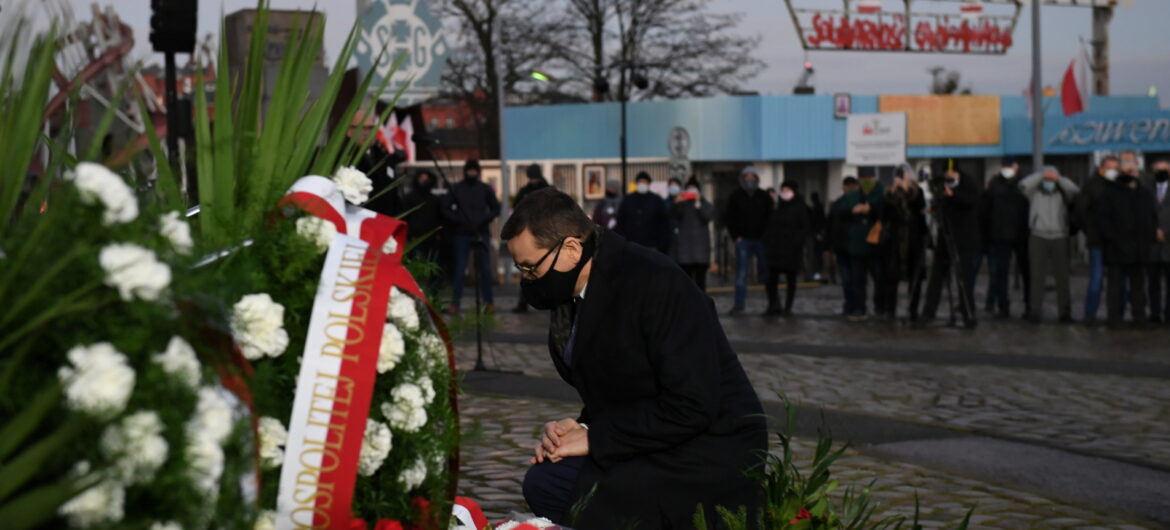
[{"x": 918, "y": 232}]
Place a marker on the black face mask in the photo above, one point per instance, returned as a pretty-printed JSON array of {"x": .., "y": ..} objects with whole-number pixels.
[
  {"x": 1162, "y": 176},
  {"x": 425, "y": 184},
  {"x": 471, "y": 176},
  {"x": 556, "y": 287}
]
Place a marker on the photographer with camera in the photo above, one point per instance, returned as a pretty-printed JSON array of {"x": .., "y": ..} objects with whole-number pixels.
[{"x": 955, "y": 208}]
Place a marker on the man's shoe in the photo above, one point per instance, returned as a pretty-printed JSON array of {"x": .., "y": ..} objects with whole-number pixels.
[
  {"x": 735, "y": 311},
  {"x": 1003, "y": 315},
  {"x": 772, "y": 311},
  {"x": 520, "y": 309},
  {"x": 1066, "y": 319},
  {"x": 1033, "y": 319},
  {"x": 1155, "y": 320}
]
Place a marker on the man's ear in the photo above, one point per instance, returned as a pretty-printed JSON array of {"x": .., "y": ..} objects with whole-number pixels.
[{"x": 573, "y": 247}]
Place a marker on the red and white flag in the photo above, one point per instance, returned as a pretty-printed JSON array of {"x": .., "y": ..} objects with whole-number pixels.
[
  {"x": 393, "y": 136},
  {"x": 869, "y": 7},
  {"x": 1071, "y": 98}
]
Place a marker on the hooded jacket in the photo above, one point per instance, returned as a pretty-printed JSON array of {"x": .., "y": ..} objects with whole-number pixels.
[
  {"x": 1048, "y": 210},
  {"x": 746, "y": 213}
]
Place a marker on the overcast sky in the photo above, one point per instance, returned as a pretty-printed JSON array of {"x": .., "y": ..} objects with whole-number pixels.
[{"x": 1139, "y": 54}]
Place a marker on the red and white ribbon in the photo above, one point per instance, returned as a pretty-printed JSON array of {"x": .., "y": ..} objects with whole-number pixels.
[{"x": 338, "y": 367}]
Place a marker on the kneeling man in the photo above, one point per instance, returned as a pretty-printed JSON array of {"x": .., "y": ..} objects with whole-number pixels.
[{"x": 670, "y": 420}]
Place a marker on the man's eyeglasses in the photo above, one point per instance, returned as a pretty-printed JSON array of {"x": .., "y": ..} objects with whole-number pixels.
[{"x": 529, "y": 271}]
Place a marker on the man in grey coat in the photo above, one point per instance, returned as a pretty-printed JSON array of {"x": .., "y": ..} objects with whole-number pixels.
[
  {"x": 1160, "y": 254},
  {"x": 1049, "y": 196}
]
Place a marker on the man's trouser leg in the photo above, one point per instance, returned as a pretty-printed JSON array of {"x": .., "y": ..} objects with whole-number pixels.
[
  {"x": 462, "y": 246},
  {"x": 1096, "y": 278},
  {"x": 1040, "y": 255},
  {"x": 548, "y": 487}
]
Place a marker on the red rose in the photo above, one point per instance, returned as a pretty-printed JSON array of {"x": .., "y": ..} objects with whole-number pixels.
[{"x": 801, "y": 515}]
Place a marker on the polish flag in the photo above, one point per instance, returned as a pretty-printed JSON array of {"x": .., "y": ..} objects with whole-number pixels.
[
  {"x": 391, "y": 135},
  {"x": 869, "y": 7},
  {"x": 1070, "y": 93},
  {"x": 971, "y": 8}
]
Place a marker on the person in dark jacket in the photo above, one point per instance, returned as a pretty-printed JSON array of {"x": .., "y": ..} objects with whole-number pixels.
[
  {"x": 425, "y": 216},
  {"x": 837, "y": 234},
  {"x": 958, "y": 205},
  {"x": 535, "y": 182},
  {"x": 642, "y": 217},
  {"x": 1004, "y": 210},
  {"x": 903, "y": 243},
  {"x": 817, "y": 244},
  {"x": 692, "y": 214},
  {"x": 860, "y": 209},
  {"x": 745, "y": 216},
  {"x": 605, "y": 213},
  {"x": 784, "y": 239},
  {"x": 1128, "y": 222},
  {"x": 472, "y": 206},
  {"x": 1160, "y": 254},
  {"x": 1085, "y": 218},
  {"x": 669, "y": 420}
]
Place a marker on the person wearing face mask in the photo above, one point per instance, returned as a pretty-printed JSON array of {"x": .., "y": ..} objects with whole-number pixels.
[
  {"x": 642, "y": 217},
  {"x": 692, "y": 214},
  {"x": 1128, "y": 222},
  {"x": 1085, "y": 218},
  {"x": 1050, "y": 196},
  {"x": 745, "y": 215},
  {"x": 958, "y": 207},
  {"x": 860, "y": 209},
  {"x": 1160, "y": 254},
  {"x": 535, "y": 182},
  {"x": 472, "y": 206},
  {"x": 784, "y": 238},
  {"x": 903, "y": 244},
  {"x": 1003, "y": 208},
  {"x": 661, "y": 387},
  {"x": 605, "y": 213}
]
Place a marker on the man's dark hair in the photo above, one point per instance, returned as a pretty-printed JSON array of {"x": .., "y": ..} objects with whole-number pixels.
[
  {"x": 550, "y": 215},
  {"x": 642, "y": 175},
  {"x": 1107, "y": 158},
  {"x": 849, "y": 181}
]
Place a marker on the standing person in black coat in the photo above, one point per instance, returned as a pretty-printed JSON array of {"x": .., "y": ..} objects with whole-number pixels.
[
  {"x": 1004, "y": 210},
  {"x": 745, "y": 216},
  {"x": 472, "y": 206},
  {"x": 670, "y": 421},
  {"x": 535, "y": 182},
  {"x": 784, "y": 238},
  {"x": 837, "y": 233},
  {"x": 425, "y": 216},
  {"x": 1128, "y": 222},
  {"x": 642, "y": 217},
  {"x": 903, "y": 243},
  {"x": 692, "y": 214},
  {"x": 1160, "y": 254},
  {"x": 959, "y": 214},
  {"x": 817, "y": 244}
]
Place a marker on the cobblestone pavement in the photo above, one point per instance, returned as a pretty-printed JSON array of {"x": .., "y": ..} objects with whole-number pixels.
[
  {"x": 503, "y": 432},
  {"x": 1112, "y": 416}
]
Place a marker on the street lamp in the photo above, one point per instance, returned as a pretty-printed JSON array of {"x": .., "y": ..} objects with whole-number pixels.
[{"x": 601, "y": 85}]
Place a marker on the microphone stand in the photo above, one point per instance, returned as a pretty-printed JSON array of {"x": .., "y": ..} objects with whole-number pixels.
[{"x": 477, "y": 242}]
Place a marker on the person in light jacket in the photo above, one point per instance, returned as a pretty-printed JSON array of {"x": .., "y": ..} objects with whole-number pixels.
[{"x": 1049, "y": 197}]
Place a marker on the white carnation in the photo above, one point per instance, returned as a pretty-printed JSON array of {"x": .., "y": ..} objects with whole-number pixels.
[
  {"x": 213, "y": 416},
  {"x": 99, "y": 505},
  {"x": 95, "y": 183},
  {"x": 134, "y": 271},
  {"x": 428, "y": 389},
  {"x": 391, "y": 246},
  {"x": 392, "y": 349},
  {"x": 205, "y": 464},
  {"x": 169, "y": 525},
  {"x": 99, "y": 381},
  {"x": 435, "y": 349},
  {"x": 273, "y": 437},
  {"x": 177, "y": 231},
  {"x": 353, "y": 184},
  {"x": 402, "y": 309},
  {"x": 376, "y": 445},
  {"x": 413, "y": 476},
  {"x": 265, "y": 521},
  {"x": 136, "y": 447},
  {"x": 508, "y": 525},
  {"x": 180, "y": 362},
  {"x": 406, "y": 411},
  {"x": 317, "y": 230},
  {"x": 258, "y": 326}
]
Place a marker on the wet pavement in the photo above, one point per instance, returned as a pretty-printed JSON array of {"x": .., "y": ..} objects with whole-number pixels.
[{"x": 1075, "y": 391}]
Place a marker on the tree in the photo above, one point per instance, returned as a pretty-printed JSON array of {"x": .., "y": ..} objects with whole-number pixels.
[{"x": 679, "y": 46}]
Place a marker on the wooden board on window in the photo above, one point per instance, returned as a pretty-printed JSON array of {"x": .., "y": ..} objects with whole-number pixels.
[{"x": 947, "y": 120}]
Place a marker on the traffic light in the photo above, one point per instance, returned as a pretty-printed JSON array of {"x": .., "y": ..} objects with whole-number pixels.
[{"x": 172, "y": 25}]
